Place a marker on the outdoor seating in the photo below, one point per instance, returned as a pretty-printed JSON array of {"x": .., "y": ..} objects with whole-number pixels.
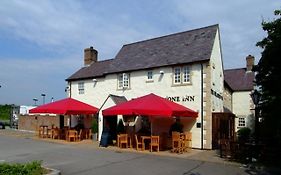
[
  {"x": 80, "y": 135},
  {"x": 88, "y": 133},
  {"x": 186, "y": 141},
  {"x": 143, "y": 138},
  {"x": 44, "y": 129},
  {"x": 55, "y": 133},
  {"x": 154, "y": 143},
  {"x": 40, "y": 132},
  {"x": 123, "y": 139},
  {"x": 63, "y": 133},
  {"x": 138, "y": 143},
  {"x": 176, "y": 142},
  {"x": 49, "y": 133},
  {"x": 71, "y": 135}
]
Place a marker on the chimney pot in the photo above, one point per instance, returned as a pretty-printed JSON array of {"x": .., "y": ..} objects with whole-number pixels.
[
  {"x": 250, "y": 62},
  {"x": 90, "y": 56}
]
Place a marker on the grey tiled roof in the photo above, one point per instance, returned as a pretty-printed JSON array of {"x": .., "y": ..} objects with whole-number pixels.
[
  {"x": 179, "y": 48},
  {"x": 239, "y": 79}
]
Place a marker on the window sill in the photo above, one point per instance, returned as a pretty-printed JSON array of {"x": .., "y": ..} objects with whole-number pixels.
[
  {"x": 149, "y": 81},
  {"x": 182, "y": 84},
  {"x": 123, "y": 89}
]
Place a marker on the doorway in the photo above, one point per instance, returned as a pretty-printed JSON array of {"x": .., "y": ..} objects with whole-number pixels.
[
  {"x": 111, "y": 121},
  {"x": 222, "y": 128}
]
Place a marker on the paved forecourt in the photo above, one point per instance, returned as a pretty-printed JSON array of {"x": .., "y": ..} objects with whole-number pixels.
[{"x": 79, "y": 159}]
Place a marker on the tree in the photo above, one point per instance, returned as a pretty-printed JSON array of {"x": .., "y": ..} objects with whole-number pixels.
[{"x": 268, "y": 79}]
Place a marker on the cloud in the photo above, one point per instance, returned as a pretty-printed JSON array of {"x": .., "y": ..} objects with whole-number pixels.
[
  {"x": 57, "y": 24},
  {"x": 56, "y": 32},
  {"x": 240, "y": 24},
  {"x": 25, "y": 79}
]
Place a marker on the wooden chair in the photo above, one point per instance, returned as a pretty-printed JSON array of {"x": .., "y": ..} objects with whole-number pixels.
[
  {"x": 40, "y": 132},
  {"x": 49, "y": 133},
  {"x": 186, "y": 142},
  {"x": 71, "y": 135},
  {"x": 89, "y": 134},
  {"x": 80, "y": 135},
  {"x": 138, "y": 143},
  {"x": 45, "y": 132},
  {"x": 176, "y": 142},
  {"x": 123, "y": 139},
  {"x": 154, "y": 143},
  {"x": 55, "y": 133}
]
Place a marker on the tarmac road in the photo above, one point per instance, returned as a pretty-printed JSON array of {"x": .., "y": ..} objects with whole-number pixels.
[{"x": 74, "y": 159}]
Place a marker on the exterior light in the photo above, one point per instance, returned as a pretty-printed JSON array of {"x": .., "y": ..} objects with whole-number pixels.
[
  {"x": 66, "y": 89},
  {"x": 95, "y": 80},
  {"x": 161, "y": 72}
]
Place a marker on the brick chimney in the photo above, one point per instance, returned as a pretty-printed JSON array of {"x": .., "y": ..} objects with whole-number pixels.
[
  {"x": 250, "y": 62},
  {"x": 90, "y": 56}
]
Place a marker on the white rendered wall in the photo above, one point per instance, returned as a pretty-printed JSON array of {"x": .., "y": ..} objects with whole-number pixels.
[
  {"x": 217, "y": 75},
  {"x": 242, "y": 105},
  {"x": 96, "y": 93}
]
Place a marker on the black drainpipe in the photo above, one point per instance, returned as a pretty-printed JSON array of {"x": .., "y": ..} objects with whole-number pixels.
[{"x": 202, "y": 139}]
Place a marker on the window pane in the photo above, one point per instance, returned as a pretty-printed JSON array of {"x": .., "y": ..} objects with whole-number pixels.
[
  {"x": 177, "y": 75},
  {"x": 149, "y": 75},
  {"x": 81, "y": 88},
  {"x": 120, "y": 81},
  {"x": 125, "y": 80},
  {"x": 241, "y": 122},
  {"x": 186, "y": 74}
]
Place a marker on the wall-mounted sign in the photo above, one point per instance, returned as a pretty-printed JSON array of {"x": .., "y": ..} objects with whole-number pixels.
[
  {"x": 216, "y": 94},
  {"x": 183, "y": 98}
]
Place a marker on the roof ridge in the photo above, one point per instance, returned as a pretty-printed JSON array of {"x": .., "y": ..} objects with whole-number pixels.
[{"x": 170, "y": 35}]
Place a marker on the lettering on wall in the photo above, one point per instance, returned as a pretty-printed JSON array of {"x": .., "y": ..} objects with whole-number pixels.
[
  {"x": 216, "y": 94},
  {"x": 183, "y": 98}
]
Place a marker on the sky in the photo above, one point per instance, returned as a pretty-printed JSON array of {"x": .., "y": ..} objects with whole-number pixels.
[{"x": 42, "y": 42}]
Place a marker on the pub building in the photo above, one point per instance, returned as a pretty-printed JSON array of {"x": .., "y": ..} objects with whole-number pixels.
[{"x": 185, "y": 67}]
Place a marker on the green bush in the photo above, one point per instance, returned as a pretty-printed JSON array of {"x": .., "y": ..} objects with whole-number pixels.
[
  {"x": 244, "y": 134},
  {"x": 5, "y": 112},
  {"x": 31, "y": 168},
  {"x": 95, "y": 126}
]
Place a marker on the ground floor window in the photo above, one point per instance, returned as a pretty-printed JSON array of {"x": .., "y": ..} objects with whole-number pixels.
[{"x": 241, "y": 122}]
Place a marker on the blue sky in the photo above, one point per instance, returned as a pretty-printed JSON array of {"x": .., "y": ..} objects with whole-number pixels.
[{"x": 42, "y": 42}]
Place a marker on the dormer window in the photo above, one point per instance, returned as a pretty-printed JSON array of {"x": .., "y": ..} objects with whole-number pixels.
[{"x": 123, "y": 81}]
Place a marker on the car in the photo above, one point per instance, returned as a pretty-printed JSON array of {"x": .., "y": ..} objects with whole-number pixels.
[{"x": 2, "y": 125}]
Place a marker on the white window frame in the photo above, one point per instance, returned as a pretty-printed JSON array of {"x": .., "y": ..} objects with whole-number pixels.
[
  {"x": 177, "y": 75},
  {"x": 81, "y": 88},
  {"x": 150, "y": 75},
  {"x": 241, "y": 122},
  {"x": 186, "y": 74},
  {"x": 181, "y": 75},
  {"x": 123, "y": 81}
]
